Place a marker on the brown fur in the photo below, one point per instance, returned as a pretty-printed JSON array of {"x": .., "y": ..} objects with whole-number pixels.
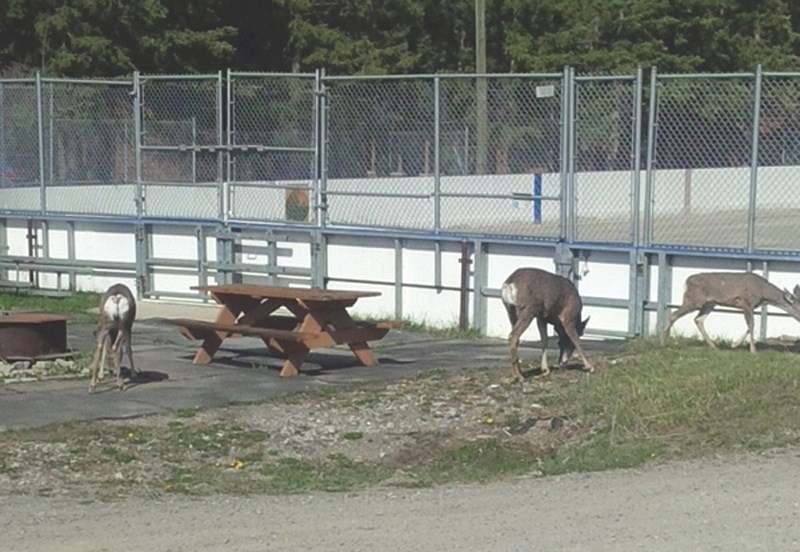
[
  {"x": 532, "y": 293},
  {"x": 740, "y": 290},
  {"x": 113, "y": 334}
]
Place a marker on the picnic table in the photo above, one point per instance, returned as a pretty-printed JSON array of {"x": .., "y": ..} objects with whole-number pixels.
[{"x": 317, "y": 318}]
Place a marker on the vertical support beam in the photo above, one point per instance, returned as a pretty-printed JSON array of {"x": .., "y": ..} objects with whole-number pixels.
[
  {"x": 398, "y": 279},
  {"x": 3, "y": 239},
  {"x": 319, "y": 259},
  {"x": 202, "y": 256},
  {"x": 437, "y": 265},
  {"x": 664, "y": 290},
  {"x": 480, "y": 271},
  {"x": 437, "y": 175},
  {"x": 143, "y": 249},
  {"x": 481, "y": 92},
  {"x": 763, "y": 315},
  {"x": 647, "y": 223},
  {"x": 638, "y": 292},
  {"x": 73, "y": 275},
  {"x": 230, "y": 132},
  {"x": 40, "y": 131},
  {"x": 751, "y": 211},
  {"x": 463, "y": 306}
]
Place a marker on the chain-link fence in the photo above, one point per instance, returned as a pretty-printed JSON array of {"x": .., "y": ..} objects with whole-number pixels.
[{"x": 540, "y": 157}]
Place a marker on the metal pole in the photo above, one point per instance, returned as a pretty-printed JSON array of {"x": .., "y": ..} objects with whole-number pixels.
[
  {"x": 230, "y": 132},
  {"x": 223, "y": 215},
  {"x": 322, "y": 203},
  {"x": 482, "y": 119},
  {"x": 751, "y": 211},
  {"x": 572, "y": 196},
  {"x": 40, "y": 129},
  {"x": 651, "y": 149},
  {"x": 138, "y": 102},
  {"x": 564, "y": 162},
  {"x": 637, "y": 159},
  {"x": 437, "y": 176}
]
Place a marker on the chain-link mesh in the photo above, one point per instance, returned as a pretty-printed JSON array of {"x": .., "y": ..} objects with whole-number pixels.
[
  {"x": 379, "y": 140},
  {"x": 88, "y": 143},
  {"x": 272, "y": 170},
  {"x": 605, "y": 115},
  {"x": 703, "y": 149},
  {"x": 180, "y": 145},
  {"x": 19, "y": 147},
  {"x": 778, "y": 159},
  {"x": 497, "y": 157}
]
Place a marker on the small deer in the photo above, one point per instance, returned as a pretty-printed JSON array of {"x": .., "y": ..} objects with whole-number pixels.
[
  {"x": 117, "y": 312},
  {"x": 739, "y": 290},
  {"x": 532, "y": 293}
]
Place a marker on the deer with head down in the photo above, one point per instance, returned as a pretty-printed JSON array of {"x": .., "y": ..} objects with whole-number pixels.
[
  {"x": 113, "y": 333},
  {"x": 532, "y": 293},
  {"x": 738, "y": 290}
]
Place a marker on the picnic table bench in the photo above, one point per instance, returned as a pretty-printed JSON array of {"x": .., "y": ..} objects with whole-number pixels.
[{"x": 318, "y": 318}]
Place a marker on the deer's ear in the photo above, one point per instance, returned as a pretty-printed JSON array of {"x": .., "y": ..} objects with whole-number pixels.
[
  {"x": 789, "y": 297},
  {"x": 583, "y": 324},
  {"x": 797, "y": 292}
]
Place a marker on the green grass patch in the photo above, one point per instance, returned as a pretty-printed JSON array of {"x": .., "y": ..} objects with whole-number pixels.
[{"x": 75, "y": 305}]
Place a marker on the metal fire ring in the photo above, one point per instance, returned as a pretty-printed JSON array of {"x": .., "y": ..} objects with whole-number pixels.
[{"x": 32, "y": 335}]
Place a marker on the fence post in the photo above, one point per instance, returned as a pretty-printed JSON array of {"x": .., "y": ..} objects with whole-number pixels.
[
  {"x": 40, "y": 130},
  {"x": 562, "y": 229},
  {"x": 751, "y": 209},
  {"x": 437, "y": 181},
  {"x": 651, "y": 150},
  {"x": 137, "y": 143}
]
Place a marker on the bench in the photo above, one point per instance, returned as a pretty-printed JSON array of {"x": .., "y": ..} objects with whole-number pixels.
[{"x": 199, "y": 329}]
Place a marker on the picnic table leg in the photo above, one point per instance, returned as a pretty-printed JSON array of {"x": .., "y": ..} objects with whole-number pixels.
[
  {"x": 205, "y": 354},
  {"x": 363, "y": 353},
  {"x": 295, "y": 354}
]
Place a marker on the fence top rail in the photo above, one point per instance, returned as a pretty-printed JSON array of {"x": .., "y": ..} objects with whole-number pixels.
[
  {"x": 257, "y": 74},
  {"x": 208, "y": 76},
  {"x": 676, "y": 76},
  {"x": 24, "y": 80},
  {"x": 431, "y": 76},
  {"x": 91, "y": 82},
  {"x": 595, "y": 78}
]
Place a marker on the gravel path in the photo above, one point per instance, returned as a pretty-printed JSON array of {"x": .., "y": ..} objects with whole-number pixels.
[{"x": 746, "y": 502}]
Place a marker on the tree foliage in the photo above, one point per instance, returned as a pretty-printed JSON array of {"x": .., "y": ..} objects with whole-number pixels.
[{"x": 115, "y": 37}]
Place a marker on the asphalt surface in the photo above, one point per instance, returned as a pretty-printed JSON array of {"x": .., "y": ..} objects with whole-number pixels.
[{"x": 242, "y": 371}]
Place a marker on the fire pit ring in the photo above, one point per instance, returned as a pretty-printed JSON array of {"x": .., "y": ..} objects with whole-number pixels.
[{"x": 32, "y": 335}]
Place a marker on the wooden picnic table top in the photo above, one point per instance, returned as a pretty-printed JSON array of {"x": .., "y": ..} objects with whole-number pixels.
[{"x": 283, "y": 292}]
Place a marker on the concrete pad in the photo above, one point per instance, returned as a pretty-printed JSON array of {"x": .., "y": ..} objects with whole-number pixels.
[{"x": 242, "y": 371}]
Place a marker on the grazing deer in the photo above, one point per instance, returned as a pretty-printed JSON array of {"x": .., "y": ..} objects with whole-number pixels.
[
  {"x": 117, "y": 312},
  {"x": 744, "y": 291},
  {"x": 532, "y": 293}
]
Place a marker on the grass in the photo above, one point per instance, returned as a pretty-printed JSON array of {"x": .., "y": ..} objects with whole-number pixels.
[
  {"x": 76, "y": 305},
  {"x": 650, "y": 404}
]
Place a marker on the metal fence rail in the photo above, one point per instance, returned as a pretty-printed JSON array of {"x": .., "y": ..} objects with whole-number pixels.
[{"x": 544, "y": 157}]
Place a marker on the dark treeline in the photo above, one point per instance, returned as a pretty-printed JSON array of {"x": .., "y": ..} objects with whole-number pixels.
[{"x": 82, "y": 38}]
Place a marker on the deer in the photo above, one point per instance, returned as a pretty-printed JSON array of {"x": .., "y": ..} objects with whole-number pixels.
[
  {"x": 530, "y": 293},
  {"x": 744, "y": 291},
  {"x": 113, "y": 332}
]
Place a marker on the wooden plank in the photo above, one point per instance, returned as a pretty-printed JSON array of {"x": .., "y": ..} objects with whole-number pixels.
[
  {"x": 200, "y": 329},
  {"x": 282, "y": 292}
]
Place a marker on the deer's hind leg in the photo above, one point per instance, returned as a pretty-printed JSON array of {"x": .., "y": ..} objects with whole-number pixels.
[
  {"x": 542, "y": 323},
  {"x": 681, "y": 311},
  {"x": 524, "y": 319},
  {"x": 99, "y": 361},
  {"x": 116, "y": 351}
]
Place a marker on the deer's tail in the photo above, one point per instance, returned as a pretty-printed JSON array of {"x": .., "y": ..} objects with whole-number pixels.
[{"x": 509, "y": 296}]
